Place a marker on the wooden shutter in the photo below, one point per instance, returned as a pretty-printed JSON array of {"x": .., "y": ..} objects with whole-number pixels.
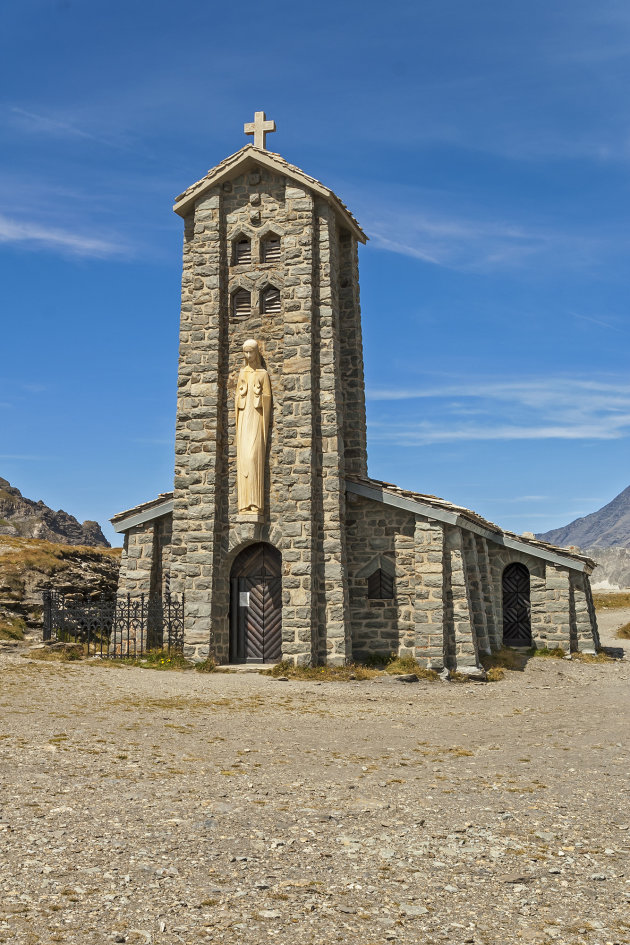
[
  {"x": 271, "y": 301},
  {"x": 242, "y": 251},
  {"x": 241, "y": 304},
  {"x": 380, "y": 586},
  {"x": 271, "y": 249}
]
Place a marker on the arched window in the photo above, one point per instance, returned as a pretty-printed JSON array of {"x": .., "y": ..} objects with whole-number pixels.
[
  {"x": 271, "y": 300},
  {"x": 380, "y": 585},
  {"x": 241, "y": 304},
  {"x": 270, "y": 249},
  {"x": 242, "y": 251}
]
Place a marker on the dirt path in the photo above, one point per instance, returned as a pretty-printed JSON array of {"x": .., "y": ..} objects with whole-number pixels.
[
  {"x": 155, "y": 807},
  {"x": 608, "y": 622}
]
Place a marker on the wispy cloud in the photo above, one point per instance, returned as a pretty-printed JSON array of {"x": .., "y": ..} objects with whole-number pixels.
[
  {"x": 45, "y": 124},
  {"x": 35, "y": 235},
  {"x": 532, "y": 409},
  {"x": 470, "y": 243},
  {"x": 601, "y": 322}
]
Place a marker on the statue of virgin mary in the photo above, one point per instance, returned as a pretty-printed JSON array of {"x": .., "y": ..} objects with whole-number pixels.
[{"x": 253, "y": 409}]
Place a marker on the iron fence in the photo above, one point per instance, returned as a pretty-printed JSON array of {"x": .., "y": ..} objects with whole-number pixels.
[{"x": 121, "y": 627}]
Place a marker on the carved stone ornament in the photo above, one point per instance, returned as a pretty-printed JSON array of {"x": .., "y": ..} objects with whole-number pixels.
[{"x": 253, "y": 412}]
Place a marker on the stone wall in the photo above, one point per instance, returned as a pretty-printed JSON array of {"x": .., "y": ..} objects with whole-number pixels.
[
  {"x": 136, "y": 562},
  {"x": 146, "y": 556},
  {"x": 430, "y": 592},
  {"x": 374, "y": 531}
]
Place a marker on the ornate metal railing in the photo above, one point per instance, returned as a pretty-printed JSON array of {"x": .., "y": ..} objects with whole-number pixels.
[{"x": 122, "y": 627}]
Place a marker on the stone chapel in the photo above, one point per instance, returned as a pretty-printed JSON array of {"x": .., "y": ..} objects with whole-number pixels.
[{"x": 283, "y": 545}]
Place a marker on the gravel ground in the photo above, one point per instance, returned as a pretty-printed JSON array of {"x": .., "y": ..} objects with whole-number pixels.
[{"x": 148, "y": 807}]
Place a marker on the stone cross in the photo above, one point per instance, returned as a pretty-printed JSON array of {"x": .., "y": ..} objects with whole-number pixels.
[{"x": 259, "y": 128}]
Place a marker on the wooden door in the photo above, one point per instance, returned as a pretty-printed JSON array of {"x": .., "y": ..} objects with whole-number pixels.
[
  {"x": 517, "y": 626},
  {"x": 256, "y": 606}
]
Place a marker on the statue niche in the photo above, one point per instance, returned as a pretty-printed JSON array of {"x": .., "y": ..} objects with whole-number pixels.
[{"x": 253, "y": 410}]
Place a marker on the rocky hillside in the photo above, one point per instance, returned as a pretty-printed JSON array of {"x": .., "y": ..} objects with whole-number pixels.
[
  {"x": 29, "y": 565},
  {"x": 29, "y": 519},
  {"x": 613, "y": 568},
  {"x": 609, "y": 527}
]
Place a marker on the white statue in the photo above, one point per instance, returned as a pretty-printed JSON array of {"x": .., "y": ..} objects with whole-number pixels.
[{"x": 253, "y": 408}]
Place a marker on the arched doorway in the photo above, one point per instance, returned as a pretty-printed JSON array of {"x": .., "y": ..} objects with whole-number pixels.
[
  {"x": 517, "y": 624},
  {"x": 256, "y": 605}
]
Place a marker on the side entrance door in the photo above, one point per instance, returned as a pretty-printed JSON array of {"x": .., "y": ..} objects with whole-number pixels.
[
  {"x": 517, "y": 624},
  {"x": 256, "y": 605}
]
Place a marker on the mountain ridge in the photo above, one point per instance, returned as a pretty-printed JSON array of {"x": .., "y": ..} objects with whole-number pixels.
[
  {"x": 25, "y": 518},
  {"x": 608, "y": 527}
]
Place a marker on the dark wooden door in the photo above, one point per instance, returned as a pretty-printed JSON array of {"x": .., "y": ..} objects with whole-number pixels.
[
  {"x": 256, "y": 606},
  {"x": 517, "y": 625}
]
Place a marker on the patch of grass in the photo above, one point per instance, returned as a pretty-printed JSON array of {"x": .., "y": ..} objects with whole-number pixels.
[
  {"x": 600, "y": 657},
  {"x": 495, "y": 674},
  {"x": 208, "y": 666},
  {"x": 46, "y": 557},
  {"x": 66, "y": 654},
  {"x": 624, "y": 632},
  {"x": 403, "y": 665},
  {"x": 321, "y": 673},
  {"x": 611, "y": 601},
  {"x": 456, "y": 677},
  {"x": 554, "y": 653},
  {"x": 12, "y": 628},
  {"x": 151, "y": 659}
]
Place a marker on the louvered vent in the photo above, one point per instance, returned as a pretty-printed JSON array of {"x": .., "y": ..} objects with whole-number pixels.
[
  {"x": 380, "y": 586},
  {"x": 271, "y": 301},
  {"x": 242, "y": 252},
  {"x": 271, "y": 249},
  {"x": 241, "y": 304}
]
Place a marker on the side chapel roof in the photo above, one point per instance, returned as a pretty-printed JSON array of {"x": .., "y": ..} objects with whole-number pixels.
[{"x": 239, "y": 162}]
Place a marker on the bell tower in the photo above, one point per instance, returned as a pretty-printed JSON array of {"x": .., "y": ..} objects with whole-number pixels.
[{"x": 270, "y": 256}]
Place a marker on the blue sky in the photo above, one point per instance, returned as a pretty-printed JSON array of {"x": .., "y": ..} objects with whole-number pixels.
[{"x": 485, "y": 149}]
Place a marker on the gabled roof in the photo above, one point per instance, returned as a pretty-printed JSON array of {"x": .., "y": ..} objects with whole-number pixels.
[
  {"x": 145, "y": 512},
  {"x": 432, "y": 506},
  {"x": 248, "y": 157}
]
